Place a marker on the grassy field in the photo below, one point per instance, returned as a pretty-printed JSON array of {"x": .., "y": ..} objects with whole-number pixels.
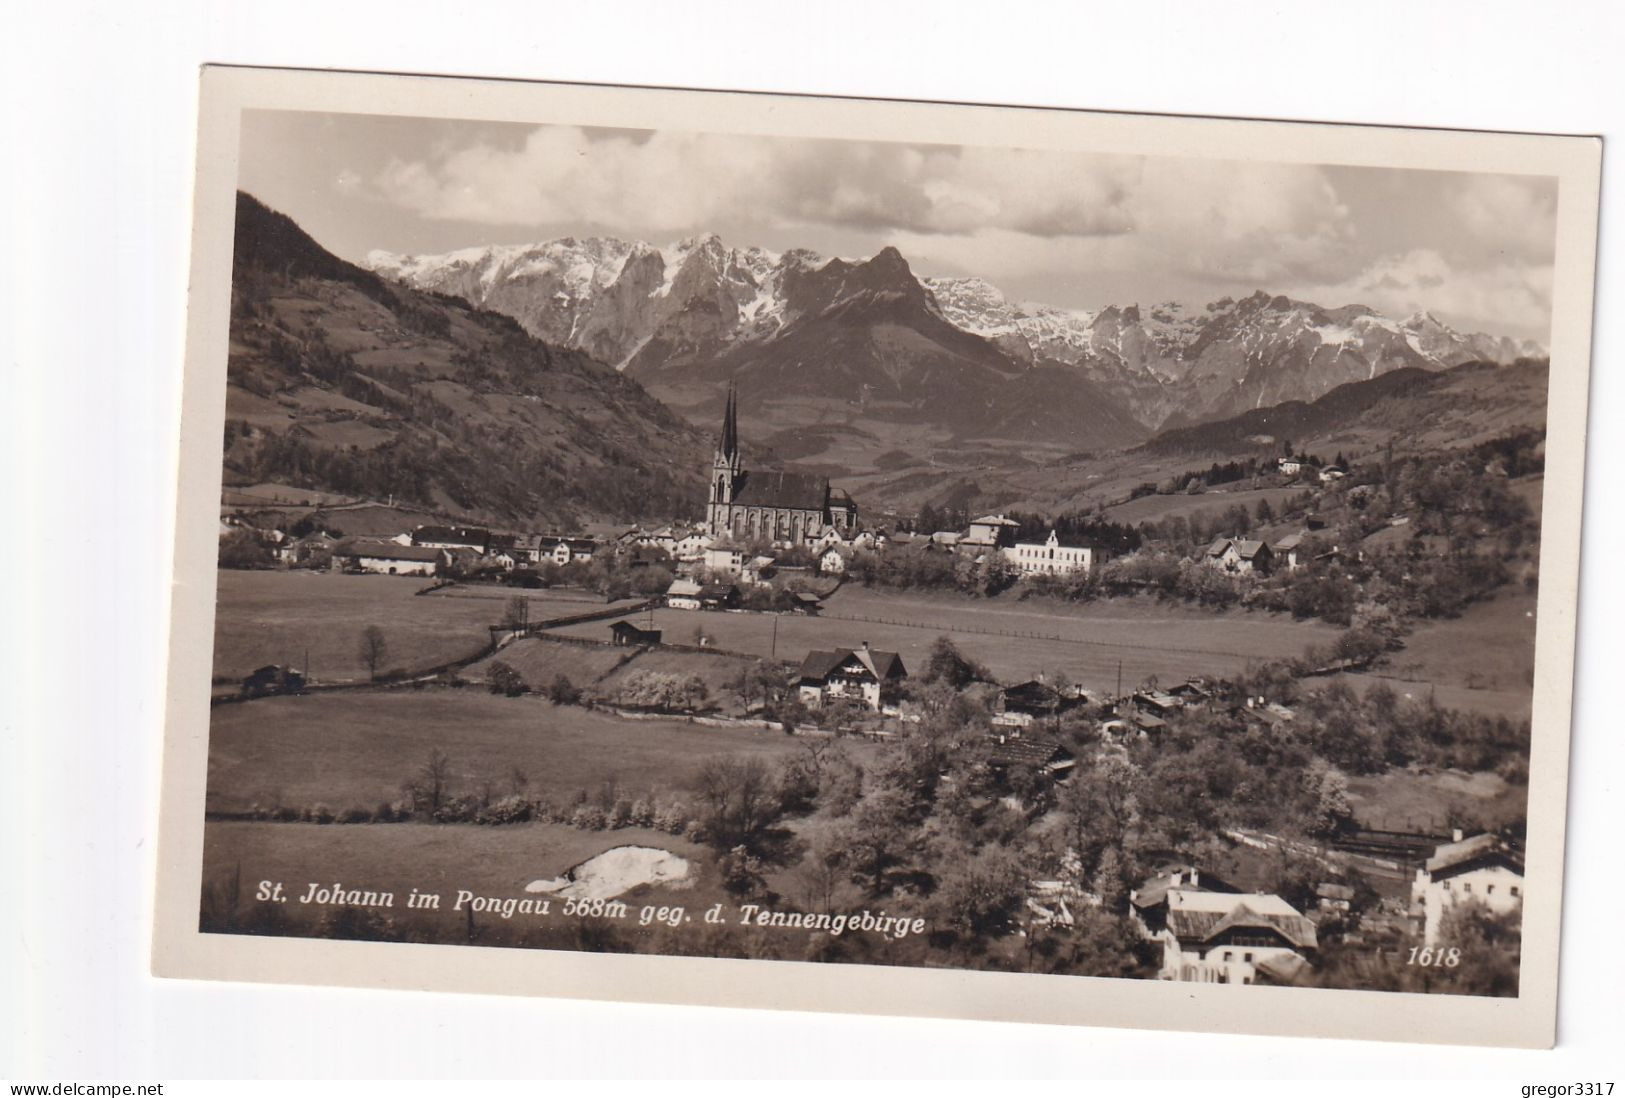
[
  {"x": 348, "y": 749},
  {"x": 275, "y": 617},
  {"x": 1482, "y": 661},
  {"x": 1157, "y": 508},
  {"x": 539, "y": 662},
  {"x": 1404, "y": 800},
  {"x": 1014, "y": 639},
  {"x": 435, "y": 858}
]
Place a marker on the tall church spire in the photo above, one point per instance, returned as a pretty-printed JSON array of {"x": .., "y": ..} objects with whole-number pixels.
[{"x": 730, "y": 427}]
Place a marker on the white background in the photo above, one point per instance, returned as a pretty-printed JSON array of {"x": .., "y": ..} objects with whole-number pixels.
[{"x": 95, "y": 174}]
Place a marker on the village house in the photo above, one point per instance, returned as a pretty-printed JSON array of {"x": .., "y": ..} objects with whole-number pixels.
[
  {"x": 273, "y": 679},
  {"x": 1211, "y": 936},
  {"x": 1290, "y": 551},
  {"x": 563, "y": 549},
  {"x": 1050, "y": 557},
  {"x": 312, "y": 544},
  {"x": 1334, "y": 897},
  {"x": 663, "y": 538},
  {"x": 1240, "y": 556},
  {"x": 683, "y": 594},
  {"x": 691, "y": 547},
  {"x": 834, "y": 560},
  {"x": 724, "y": 560},
  {"x": 452, "y": 537},
  {"x": 758, "y": 570},
  {"x": 1290, "y": 466},
  {"x": 1149, "y": 902},
  {"x": 990, "y": 532},
  {"x": 1019, "y": 706},
  {"x": 719, "y": 596},
  {"x": 1483, "y": 868},
  {"x": 1011, "y": 748},
  {"x": 864, "y": 675},
  {"x": 387, "y": 558},
  {"x": 459, "y": 559},
  {"x": 626, "y": 635}
]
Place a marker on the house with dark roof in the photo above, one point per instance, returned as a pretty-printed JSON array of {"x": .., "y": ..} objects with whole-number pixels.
[
  {"x": 1149, "y": 902},
  {"x": 719, "y": 596},
  {"x": 1482, "y": 868},
  {"x": 1242, "y": 556},
  {"x": 387, "y": 558},
  {"x": 1221, "y": 937},
  {"x": 864, "y": 675},
  {"x": 626, "y": 635},
  {"x": 1019, "y": 706},
  {"x": 452, "y": 537},
  {"x": 1016, "y": 749}
]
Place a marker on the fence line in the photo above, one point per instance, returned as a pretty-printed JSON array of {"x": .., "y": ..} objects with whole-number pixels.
[{"x": 1027, "y": 635}]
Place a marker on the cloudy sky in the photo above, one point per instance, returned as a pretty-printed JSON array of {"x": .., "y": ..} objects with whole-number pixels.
[{"x": 1068, "y": 229}]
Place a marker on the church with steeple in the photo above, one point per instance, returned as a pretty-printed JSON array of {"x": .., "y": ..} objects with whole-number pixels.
[{"x": 770, "y": 505}]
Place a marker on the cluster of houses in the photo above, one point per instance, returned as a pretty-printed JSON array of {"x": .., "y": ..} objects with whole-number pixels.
[
  {"x": 1304, "y": 468},
  {"x": 1210, "y": 931},
  {"x": 1258, "y": 556}
]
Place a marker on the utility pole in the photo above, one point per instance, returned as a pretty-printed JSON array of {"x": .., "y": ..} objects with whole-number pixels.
[
  {"x": 773, "y": 654},
  {"x": 1119, "y": 679}
]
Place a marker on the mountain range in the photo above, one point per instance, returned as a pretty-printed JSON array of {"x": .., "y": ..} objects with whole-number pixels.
[{"x": 952, "y": 353}]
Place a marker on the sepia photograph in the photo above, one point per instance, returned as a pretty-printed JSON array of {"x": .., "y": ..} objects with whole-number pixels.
[{"x": 864, "y": 538}]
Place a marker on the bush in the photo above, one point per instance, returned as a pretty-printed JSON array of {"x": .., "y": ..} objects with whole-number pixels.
[
  {"x": 510, "y": 809},
  {"x": 355, "y": 815},
  {"x": 564, "y": 692},
  {"x": 672, "y": 818},
  {"x": 589, "y": 817},
  {"x": 695, "y": 832},
  {"x": 319, "y": 813},
  {"x": 641, "y": 813},
  {"x": 456, "y": 810},
  {"x": 503, "y": 679}
]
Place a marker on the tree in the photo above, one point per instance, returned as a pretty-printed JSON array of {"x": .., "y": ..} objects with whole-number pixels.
[
  {"x": 503, "y": 679},
  {"x": 981, "y": 894},
  {"x": 374, "y": 650},
  {"x": 562, "y": 691},
  {"x": 517, "y": 615},
  {"x": 242, "y": 548},
  {"x": 428, "y": 786},
  {"x": 947, "y": 664},
  {"x": 739, "y": 802}
]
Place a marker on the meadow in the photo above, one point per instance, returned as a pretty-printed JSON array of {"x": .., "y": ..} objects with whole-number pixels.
[
  {"x": 289, "y": 617},
  {"x": 356, "y": 748},
  {"x": 1014, "y": 639},
  {"x": 1482, "y": 661}
]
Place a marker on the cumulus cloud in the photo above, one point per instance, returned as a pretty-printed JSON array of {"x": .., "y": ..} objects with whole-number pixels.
[
  {"x": 1516, "y": 216},
  {"x": 676, "y": 182},
  {"x": 1496, "y": 297},
  {"x": 1015, "y": 214}
]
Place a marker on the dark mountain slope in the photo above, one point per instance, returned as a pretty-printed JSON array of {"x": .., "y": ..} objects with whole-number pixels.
[
  {"x": 1412, "y": 404},
  {"x": 339, "y": 380}
]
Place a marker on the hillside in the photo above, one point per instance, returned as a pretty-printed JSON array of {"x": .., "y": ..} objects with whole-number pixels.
[
  {"x": 1417, "y": 408},
  {"x": 341, "y": 381}
]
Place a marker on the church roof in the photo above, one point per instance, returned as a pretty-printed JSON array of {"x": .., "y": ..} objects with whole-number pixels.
[{"x": 770, "y": 488}]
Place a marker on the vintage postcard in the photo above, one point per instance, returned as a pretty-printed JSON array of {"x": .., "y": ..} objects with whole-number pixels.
[{"x": 874, "y": 556}]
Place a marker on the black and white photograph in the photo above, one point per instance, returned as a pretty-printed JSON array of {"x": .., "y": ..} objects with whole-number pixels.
[{"x": 1112, "y": 552}]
